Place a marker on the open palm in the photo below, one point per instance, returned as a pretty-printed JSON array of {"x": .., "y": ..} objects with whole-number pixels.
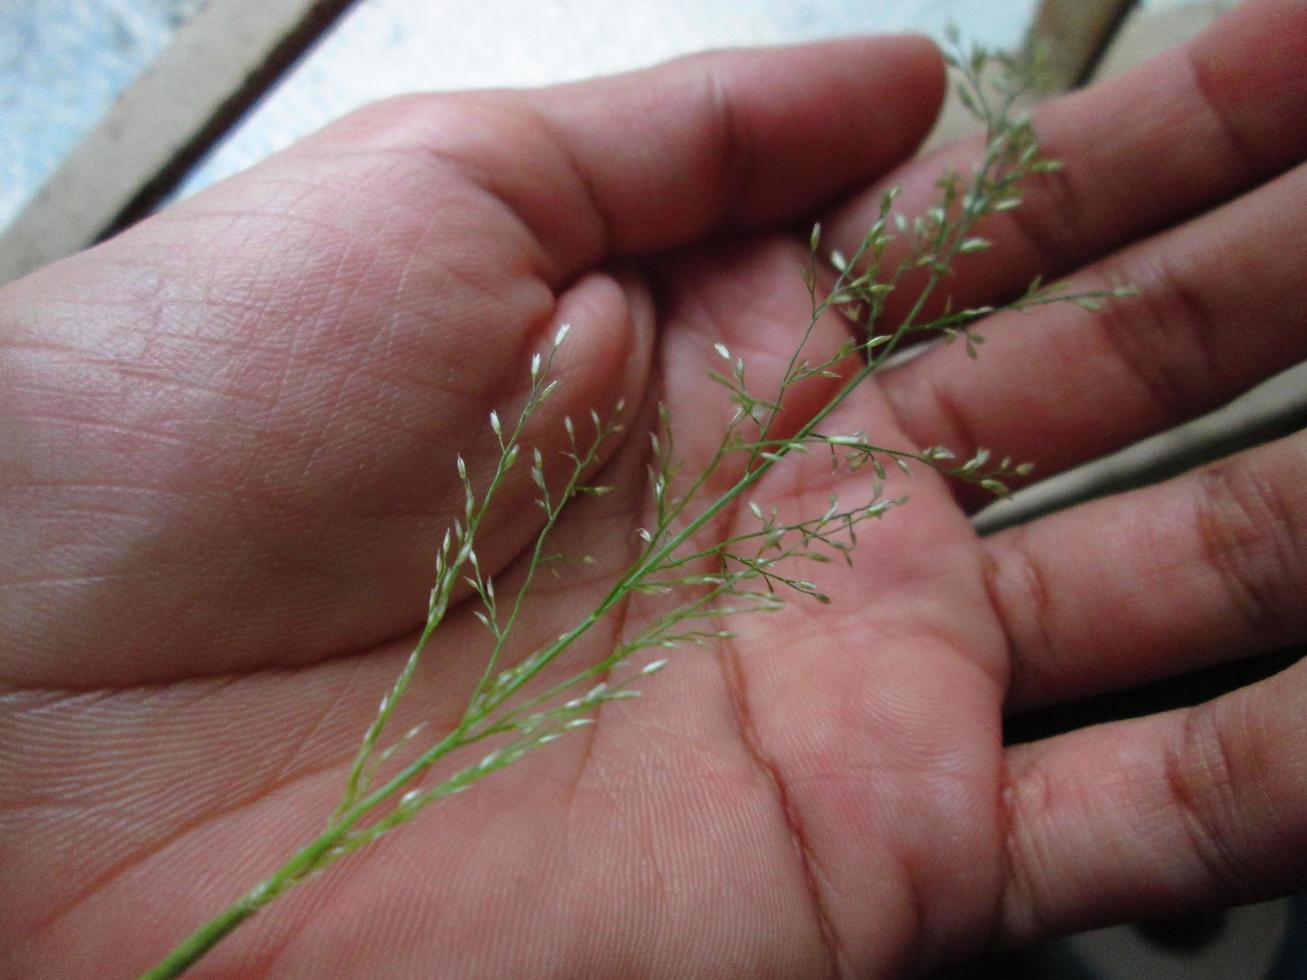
[{"x": 228, "y": 448}]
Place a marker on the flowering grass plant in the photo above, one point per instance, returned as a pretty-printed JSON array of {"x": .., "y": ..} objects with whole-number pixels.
[{"x": 702, "y": 577}]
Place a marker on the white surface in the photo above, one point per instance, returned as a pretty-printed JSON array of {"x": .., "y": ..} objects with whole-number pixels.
[{"x": 62, "y": 63}]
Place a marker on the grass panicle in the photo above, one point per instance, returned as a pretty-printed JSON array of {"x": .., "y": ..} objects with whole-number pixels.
[{"x": 703, "y": 578}]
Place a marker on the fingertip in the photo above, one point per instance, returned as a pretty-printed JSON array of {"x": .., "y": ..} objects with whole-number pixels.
[{"x": 606, "y": 357}]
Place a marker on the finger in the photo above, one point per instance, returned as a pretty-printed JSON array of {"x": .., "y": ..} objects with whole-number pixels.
[
  {"x": 1219, "y": 310},
  {"x": 1190, "y": 128},
  {"x": 659, "y": 158},
  {"x": 1157, "y": 816},
  {"x": 737, "y": 139},
  {"x": 1205, "y": 568}
]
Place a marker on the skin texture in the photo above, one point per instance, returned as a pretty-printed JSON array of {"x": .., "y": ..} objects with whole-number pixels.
[{"x": 225, "y": 464}]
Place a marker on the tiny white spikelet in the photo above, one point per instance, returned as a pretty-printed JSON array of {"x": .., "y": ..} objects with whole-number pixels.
[
  {"x": 653, "y": 668},
  {"x": 563, "y": 331},
  {"x": 722, "y": 350}
]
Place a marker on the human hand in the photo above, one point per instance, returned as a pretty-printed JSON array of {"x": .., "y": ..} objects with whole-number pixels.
[{"x": 227, "y": 465}]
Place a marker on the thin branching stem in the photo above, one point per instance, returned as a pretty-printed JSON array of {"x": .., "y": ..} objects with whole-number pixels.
[{"x": 708, "y": 576}]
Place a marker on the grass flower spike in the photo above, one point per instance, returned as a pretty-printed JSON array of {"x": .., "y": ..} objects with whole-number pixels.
[{"x": 700, "y": 578}]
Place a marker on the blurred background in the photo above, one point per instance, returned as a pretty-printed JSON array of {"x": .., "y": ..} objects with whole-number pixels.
[{"x": 110, "y": 109}]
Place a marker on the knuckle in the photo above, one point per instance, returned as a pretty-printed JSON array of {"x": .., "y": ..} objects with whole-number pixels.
[
  {"x": 1251, "y": 539},
  {"x": 1027, "y": 804},
  {"x": 1019, "y": 594},
  {"x": 1206, "y": 774},
  {"x": 1230, "y": 138},
  {"x": 1164, "y": 337},
  {"x": 1050, "y": 219},
  {"x": 733, "y": 170}
]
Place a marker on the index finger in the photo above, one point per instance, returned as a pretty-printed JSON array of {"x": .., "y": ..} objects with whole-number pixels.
[
  {"x": 732, "y": 140},
  {"x": 658, "y": 158}
]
